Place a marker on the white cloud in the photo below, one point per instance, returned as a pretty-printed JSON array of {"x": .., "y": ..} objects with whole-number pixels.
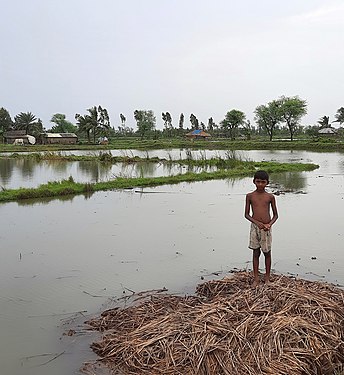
[{"x": 330, "y": 15}]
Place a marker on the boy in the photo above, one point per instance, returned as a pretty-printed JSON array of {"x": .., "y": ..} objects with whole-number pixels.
[{"x": 260, "y": 202}]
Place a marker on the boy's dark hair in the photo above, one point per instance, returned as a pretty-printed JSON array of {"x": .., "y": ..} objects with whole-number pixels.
[{"x": 261, "y": 175}]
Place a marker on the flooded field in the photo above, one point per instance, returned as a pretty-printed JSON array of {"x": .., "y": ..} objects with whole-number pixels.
[{"x": 64, "y": 260}]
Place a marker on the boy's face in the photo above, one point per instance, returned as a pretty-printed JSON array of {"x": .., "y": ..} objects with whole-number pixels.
[{"x": 260, "y": 184}]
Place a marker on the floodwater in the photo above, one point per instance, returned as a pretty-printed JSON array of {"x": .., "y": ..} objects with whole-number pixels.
[
  {"x": 20, "y": 172},
  {"x": 63, "y": 260}
]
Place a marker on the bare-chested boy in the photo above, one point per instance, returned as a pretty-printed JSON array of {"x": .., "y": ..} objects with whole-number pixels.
[{"x": 259, "y": 202}]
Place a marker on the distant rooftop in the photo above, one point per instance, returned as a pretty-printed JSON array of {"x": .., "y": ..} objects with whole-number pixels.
[{"x": 60, "y": 135}]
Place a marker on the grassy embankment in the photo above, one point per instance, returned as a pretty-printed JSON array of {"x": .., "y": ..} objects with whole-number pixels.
[
  {"x": 230, "y": 167},
  {"x": 70, "y": 187},
  {"x": 318, "y": 144},
  {"x": 229, "y": 160}
]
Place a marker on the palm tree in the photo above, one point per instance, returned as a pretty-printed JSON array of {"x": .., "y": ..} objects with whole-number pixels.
[
  {"x": 84, "y": 125},
  {"x": 25, "y": 121},
  {"x": 340, "y": 115},
  {"x": 97, "y": 122},
  {"x": 324, "y": 122},
  {"x": 123, "y": 120}
]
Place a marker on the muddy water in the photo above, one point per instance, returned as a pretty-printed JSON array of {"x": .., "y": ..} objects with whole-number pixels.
[{"x": 63, "y": 260}]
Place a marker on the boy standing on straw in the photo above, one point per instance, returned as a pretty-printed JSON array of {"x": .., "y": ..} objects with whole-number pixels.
[{"x": 260, "y": 202}]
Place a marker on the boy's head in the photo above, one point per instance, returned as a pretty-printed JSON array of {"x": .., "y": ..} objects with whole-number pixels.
[{"x": 261, "y": 175}]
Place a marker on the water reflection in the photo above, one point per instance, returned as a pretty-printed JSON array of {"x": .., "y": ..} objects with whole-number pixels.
[
  {"x": 293, "y": 181},
  {"x": 47, "y": 200},
  {"x": 145, "y": 169},
  {"x": 93, "y": 171},
  {"x": 57, "y": 165},
  {"x": 16, "y": 173},
  {"x": 6, "y": 170}
]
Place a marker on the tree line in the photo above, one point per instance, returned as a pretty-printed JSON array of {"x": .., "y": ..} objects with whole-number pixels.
[{"x": 282, "y": 114}]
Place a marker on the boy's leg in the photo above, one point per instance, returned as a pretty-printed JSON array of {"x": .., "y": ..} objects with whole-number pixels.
[
  {"x": 267, "y": 266},
  {"x": 256, "y": 255}
]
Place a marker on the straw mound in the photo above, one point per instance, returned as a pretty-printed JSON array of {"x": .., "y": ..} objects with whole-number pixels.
[{"x": 288, "y": 327}]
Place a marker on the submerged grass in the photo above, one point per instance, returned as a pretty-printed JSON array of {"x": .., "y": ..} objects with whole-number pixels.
[
  {"x": 70, "y": 187},
  {"x": 231, "y": 159}
]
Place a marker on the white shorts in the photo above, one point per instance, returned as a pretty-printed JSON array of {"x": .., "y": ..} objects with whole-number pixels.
[{"x": 260, "y": 239}]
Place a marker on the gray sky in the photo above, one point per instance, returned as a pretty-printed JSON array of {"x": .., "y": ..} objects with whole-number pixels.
[{"x": 193, "y": 56}]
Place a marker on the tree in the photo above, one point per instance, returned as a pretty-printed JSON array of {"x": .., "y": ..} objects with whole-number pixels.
[
  {"x": 312, "y": 131},
  {"x": 96, "y": 122},
  {"x": 6, "y": 122},
  {"x": 232, "y": 121},
  {"x": 324, "y": 122},
  {"x": 61, "y": 124},
  {"x": 84, "y": 125},
  {"x": 339, "y": 116},
  {"x": 125, "y": 131},
  {"x": 268, "y": 116},
  {"x": 38, "y": 128},
  {"x": 211, "y": 124},
  {"x": 194, "y": 121},
  {"x": 292, "y": 110},
  {"x": 25, "y": 121},
  {"x": 103, "y": 121},
  {"x": 28, "y": 122},
  {"x": 145, "y": 121},
  {"x": 123, "y": 120},
  {"x": 167, "y": 118},
  {"x": 100, "y": 121},
  {"x": 181, "y": 121},
  {"x": 247, "y": 129}
]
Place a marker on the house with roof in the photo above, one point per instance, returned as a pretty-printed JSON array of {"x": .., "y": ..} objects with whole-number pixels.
[
  {"x": 18, "y": 137},
  {"x": 328, "y": 131},
  {"x": 58, "y": 138},
  {"x": 198, "y": 134}
]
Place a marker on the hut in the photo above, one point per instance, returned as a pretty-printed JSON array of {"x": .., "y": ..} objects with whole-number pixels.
[
  {"x": 198, "y": 134},
  {"x": 58, "y": 138},
  {"x": 328, "y": 131},
  {"x": 18, "y": 137}
]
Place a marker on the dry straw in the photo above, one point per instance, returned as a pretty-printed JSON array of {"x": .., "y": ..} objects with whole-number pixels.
[{"x": 291, "y": 327}]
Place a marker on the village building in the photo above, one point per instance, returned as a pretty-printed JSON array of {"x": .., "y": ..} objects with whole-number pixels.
[
  {"x": 198, "y": 134},
  {"x": 58, "y": 138},
  {"x": 18, "y": 137},
  {"x": 328, "y": 131}
]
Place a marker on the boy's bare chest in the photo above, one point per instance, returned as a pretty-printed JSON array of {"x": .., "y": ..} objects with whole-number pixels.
[{"x": 258, "y": 200}]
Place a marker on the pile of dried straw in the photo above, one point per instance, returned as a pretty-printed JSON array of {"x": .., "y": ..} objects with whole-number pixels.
[{"x": 291, "y": 326}]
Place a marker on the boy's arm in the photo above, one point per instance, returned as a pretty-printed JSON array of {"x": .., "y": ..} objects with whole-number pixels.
[
  {"x": 274, "y": 212},
  {"x": 247, "y": 214},
  {"x": 247, "y": 208}
]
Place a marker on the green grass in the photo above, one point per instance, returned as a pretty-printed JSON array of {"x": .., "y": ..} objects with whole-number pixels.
[
  {"x": 229, "y": 160},
  {"x": 70, "y": 187},
  {"x": 261, "y": 143}
]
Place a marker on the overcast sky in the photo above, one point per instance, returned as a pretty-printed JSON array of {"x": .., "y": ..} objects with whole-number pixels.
[{"x": 204, "y": 57}]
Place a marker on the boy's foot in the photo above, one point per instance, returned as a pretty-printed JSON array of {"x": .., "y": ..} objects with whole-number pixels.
[
  {"x": 255, "y": 283},
  {"x": 267, "y": 280}
]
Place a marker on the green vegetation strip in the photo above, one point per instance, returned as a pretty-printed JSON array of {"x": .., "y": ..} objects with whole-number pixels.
[
  {"x": 315, "y": 144},
  {"x": 70, "y": 187},
  {"x": 230, "y": 160}
]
